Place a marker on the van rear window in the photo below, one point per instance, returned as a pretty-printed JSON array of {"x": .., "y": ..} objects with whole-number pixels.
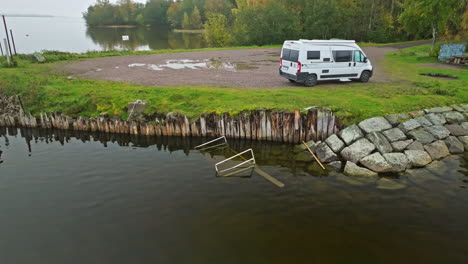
[
  {"x": 342, "y": 55},
  {"x": 290, "y": 55},
  {"x": 313, "y": 55}
]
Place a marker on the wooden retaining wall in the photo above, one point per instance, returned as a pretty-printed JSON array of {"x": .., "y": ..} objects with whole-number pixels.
[{"x": 315, "y": 124}]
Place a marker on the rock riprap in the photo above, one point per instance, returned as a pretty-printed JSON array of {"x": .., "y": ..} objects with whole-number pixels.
[{"x": 397, "y": 142}]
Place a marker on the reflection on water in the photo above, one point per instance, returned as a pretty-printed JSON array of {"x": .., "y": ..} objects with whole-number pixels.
[
  {"x": 143, "y": 38},
  {"x": 71, "y": 197}
]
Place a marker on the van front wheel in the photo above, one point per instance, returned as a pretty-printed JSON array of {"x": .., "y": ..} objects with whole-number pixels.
[
  {"x": 365, "y": 76},
  {"x": 311, "y": 80}
]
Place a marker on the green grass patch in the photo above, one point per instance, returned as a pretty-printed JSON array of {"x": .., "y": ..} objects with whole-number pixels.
[{"x": 43, "y": 91}]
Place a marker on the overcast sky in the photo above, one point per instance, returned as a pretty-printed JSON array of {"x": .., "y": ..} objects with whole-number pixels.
[{"x": 48, "y": 7}]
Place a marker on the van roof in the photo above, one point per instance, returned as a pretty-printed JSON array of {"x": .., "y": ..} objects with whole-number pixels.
[{"x": 320, "y": 41}]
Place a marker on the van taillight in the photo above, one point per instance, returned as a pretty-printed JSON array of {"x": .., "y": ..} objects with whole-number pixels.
[
  {"x": 299, "y": 67},
  {"x": 281, "y": 62}
]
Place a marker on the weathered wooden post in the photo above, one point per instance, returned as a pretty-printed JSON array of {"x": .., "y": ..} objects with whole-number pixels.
[
  {"x": 8, "y": 38},
  {"x": 6, "y": 53},
  {"x": 13, "y": 41}
]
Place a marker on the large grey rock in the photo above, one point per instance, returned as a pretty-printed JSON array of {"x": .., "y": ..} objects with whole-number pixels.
[
  {"x": 394, "y": 134},
  {"x": 335, "y": 143},
  {"x": 351, "y": 134},
  {"x": 351, "y": 169},
  {"x": 409, "y": 125},
  {"x": 437, "y": 150},
  {"x": 399, "y": 146},
  {"x": 376, "y": 162},
  {"x": 37, "y": 57},
  {"x": 438, "y": 131},
  {"x": 423, "y": 121},
  {"x": 464, "y": 125},
  {"x": 438, "y": 109},
  {"x": 458, "y": 108},
  {"x": 422, "y": 136},
  {"x": 436, "y": 119},
  {"x": 454, "y": 117},
  {"x": 418, "y": 158},
  {"x": 380, "y": 142},
  {"x": 415, "y": 146},
  {"x": 457, "y": 130},
  {"x": 337, "y": 165},
  {"x": 416, "y": 113},
  {"x": 375, "y": 124},
  {"x": 398, "y": 161},
  {"x": 325, "y": 154},
  {"x": 455, "y": 146},
  {"x": 395, "y": 119},
  {"x": 301, "y": 147},
  {"x": 464, "y": 140},
  {"x": 357, "y": 150}
]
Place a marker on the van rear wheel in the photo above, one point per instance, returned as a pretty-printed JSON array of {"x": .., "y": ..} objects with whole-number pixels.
[
  {"x": 365, "y": 76},
  {"x": 311, "y": 80}
]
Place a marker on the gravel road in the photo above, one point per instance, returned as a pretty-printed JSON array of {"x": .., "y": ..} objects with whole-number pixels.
[{"x": 225, "y": 68}]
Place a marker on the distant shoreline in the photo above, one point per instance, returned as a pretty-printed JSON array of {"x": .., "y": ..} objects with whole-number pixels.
[
  {"x": 116, "y": 26},
  {"x": 25, "y": 15}
]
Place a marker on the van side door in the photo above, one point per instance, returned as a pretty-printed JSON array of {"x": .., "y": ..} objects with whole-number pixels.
[{"x": 342, "y": 66}]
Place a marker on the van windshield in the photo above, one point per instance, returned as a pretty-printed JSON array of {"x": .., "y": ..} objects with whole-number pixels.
[{"x": 290, "y": 55}]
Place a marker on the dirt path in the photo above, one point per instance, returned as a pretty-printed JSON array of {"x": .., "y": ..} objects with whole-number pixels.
[{"x": 245, "y": 68}]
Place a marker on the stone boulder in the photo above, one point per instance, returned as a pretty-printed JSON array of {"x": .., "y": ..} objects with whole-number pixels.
[
  {"x": 438, "y": 131},
  {"x": 398, "y": 161},
  {"x": 464, "y": 125},
  {"x": 422, "y": 136},
  {"x": 455, "y": 146},
  {"x": 394, "y": 134},
  {"x": 436, "y": 119},
  {"x": 301, "y": 147},
  {"x": 415, "y": 146},
  {"x": 357, "y": 150},
  {"x": 418, "y": 158},
  {"x": 437, "y": 150},
  {"x": 464, "y": 140},
  {"x": 351, "y": 134},
  {"x": 409, "y": 125},
  {"x": 399, "y": 146},
  {"x": 337, "y": 165},
  {"x": 380, "y": 142},
  {"x": 416, "y": 113},
  {"x": 325, "y": 154},
  {"x": 395, "y": 119},
  {"x": 457, "y": 130},
  {"x": 423, "y": 121},
  {"x": 335, "y": 143},
  {"x": 375, "y": 124},
  {"x": 454, "y": 117},
  {"x": 376, "y": 162},
  {"x": 438, "y": 109},
  {"x": 351, "y": 169}
]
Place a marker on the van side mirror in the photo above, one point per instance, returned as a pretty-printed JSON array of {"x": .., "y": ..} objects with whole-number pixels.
[{"x": 365, "y": 59}]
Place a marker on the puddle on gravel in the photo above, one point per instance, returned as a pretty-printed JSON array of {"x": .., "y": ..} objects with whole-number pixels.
[{"x": 218, "y": 64}]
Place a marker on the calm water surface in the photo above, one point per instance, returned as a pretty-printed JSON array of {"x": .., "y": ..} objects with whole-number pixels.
[
  {"x": 77, "y": 198},
  {"x": 71, "y": 34}
]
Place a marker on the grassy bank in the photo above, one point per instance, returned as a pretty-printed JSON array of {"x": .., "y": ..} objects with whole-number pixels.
[{"x": 42, "y": 90}]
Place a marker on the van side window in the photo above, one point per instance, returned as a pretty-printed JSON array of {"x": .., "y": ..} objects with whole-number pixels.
[
  {"x": 313, "y": 55},
  {"x": 294, "y": 57},
  {"x": 286, "y": 54},
  {"x": 358, "y": 56},
  {"x": 342, "y": 55}
]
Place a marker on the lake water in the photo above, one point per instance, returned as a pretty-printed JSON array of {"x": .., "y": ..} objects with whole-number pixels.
[
  {"x": 71, "y": 34},
  {"x": 95, "y": 198}
]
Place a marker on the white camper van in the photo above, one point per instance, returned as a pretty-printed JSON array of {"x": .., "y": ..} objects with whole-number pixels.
[{"x": 309, "y": 61}]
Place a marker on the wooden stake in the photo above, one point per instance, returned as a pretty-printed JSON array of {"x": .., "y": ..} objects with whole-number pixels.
[{"x": 315, "y": 157}]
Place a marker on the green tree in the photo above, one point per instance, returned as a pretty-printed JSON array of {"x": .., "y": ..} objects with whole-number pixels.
[
  {"x": 423, "y": 16},
  {"x": 186, "y": 23},
  {"x": 155, "y": 12},
  {"x": 196, "y": 18},
  {"x": 217, "y": 30}
]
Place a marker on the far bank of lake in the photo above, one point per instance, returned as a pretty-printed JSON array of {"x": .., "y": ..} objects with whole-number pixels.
[{"x": 71, "y": 34}]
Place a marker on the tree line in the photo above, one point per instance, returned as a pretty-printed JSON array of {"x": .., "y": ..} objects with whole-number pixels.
[{"x": 262, "y": 22}]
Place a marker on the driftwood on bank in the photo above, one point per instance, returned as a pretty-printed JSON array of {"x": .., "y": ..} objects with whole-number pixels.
[{"x": 315, "y": 124}]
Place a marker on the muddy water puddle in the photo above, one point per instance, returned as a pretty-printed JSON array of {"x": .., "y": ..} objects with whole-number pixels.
[{"x": 218, "y": 64}]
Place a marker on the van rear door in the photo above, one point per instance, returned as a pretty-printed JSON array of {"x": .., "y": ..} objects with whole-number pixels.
[{"x": 290, "y": 61}]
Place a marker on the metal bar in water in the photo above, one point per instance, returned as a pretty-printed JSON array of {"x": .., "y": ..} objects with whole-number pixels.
[
  {"x": 214, "y": 146},
  {"x": 237, "y": 155},
  {"x": 241, "y": 170},
  {"x": 238, "y": 165},
  {"x": 13, "y": 41}
]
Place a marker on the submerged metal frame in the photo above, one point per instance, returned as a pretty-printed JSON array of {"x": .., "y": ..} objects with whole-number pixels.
[
  {"x": 251, "y": 161},
  {"x": 214, "y": 140}
]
